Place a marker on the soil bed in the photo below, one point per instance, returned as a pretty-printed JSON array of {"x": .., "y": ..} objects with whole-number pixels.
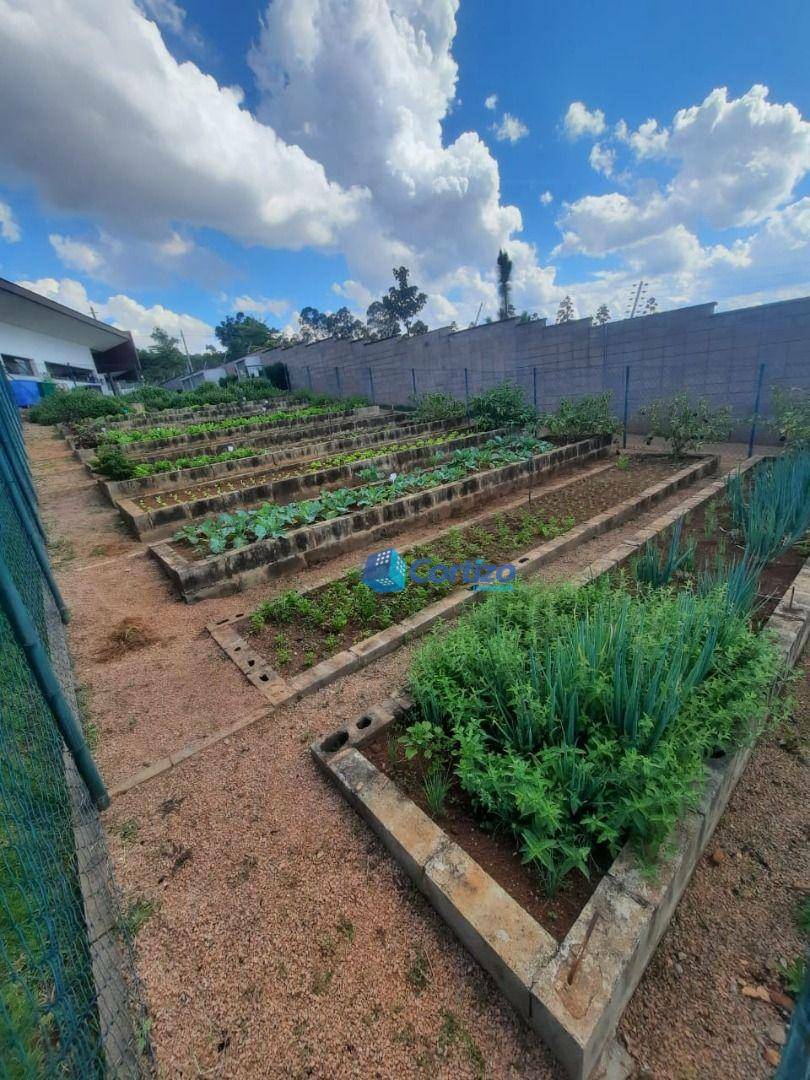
[
  {"x": 272, "y": 474},
  {"x": 495, "y": 852},
  {"x": 294, "y": 645}
]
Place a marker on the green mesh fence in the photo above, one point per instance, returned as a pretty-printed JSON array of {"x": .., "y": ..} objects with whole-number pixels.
[{"x": 70, "y": 1002}]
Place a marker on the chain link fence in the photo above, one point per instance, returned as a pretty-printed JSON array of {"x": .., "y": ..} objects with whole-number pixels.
[{"x": 70, "y": 1001}]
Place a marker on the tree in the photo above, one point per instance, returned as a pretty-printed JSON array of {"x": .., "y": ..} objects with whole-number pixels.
[
  {"x": 397, "y": 309},
  {"x": 312, "y": 325},
  {"x": 242, "y": 334},
  {"x": 163, "y": 359},
  {"x": 565, "y": 312},
  {"x": 602, "y": 315},
  {"x": 529, "y": 316},
  {"x": 651, "y": 306},
  {"x": 342, "y": 324},
  {"x": 419, "y": 327},
  {"x": 505, "y": 311}
]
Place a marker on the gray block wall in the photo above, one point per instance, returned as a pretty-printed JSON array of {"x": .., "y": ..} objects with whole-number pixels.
[{"x": 709, "y": 354}]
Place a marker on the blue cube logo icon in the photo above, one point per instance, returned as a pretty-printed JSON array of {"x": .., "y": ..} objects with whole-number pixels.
[{"x": 385, "y": 572}]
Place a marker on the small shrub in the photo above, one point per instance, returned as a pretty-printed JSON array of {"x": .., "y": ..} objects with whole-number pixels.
[
  {"x": 438, "y": 406},
  {"x": 69, "y": 406},
  {"x": 685, "y": 425},
  {"x": 500, "y": 407},
  {"x": 112, "y": 462},
  {"x": 791, "y": 417},
  {"x": 582, "y": 417},
  {"x": 623, "y": 462}
]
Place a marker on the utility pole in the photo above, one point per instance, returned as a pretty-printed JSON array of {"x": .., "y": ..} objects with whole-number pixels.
[
  {"x": 478, "y": 313},
  {"x": 188, "y": 358},
  {"x": 632, "y": 306}
]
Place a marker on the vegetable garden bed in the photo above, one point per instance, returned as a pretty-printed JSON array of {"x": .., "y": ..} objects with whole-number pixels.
[
  {"x": 221, "y": 574},
  {"x": 200, "y": 414},
  {"x": 570, "y": 973},
  {"x": 222, "y": 432},
  {"x": 158, "y": 515},
  {"x": 279, "y": 646},
  {"x": 243, "y": 459}
]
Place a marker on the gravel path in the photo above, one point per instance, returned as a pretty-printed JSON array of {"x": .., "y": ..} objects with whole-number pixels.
[{"x": 284, "y": 942}]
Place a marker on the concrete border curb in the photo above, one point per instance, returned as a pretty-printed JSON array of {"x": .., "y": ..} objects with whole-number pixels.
[{"x": 571, "y": 992}]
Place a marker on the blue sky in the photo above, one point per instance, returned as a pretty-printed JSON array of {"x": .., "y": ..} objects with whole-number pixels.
[{"x": 153, "y": 192}]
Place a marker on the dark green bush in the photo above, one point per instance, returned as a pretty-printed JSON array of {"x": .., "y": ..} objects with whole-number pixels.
[
  {"x": 113, "y": 463},
  {"x": 502, "y": 406},
  {"x": 69, "y": 406},
  {"x": 438, "y": 406},
  {"x": 582, "y": 417}
]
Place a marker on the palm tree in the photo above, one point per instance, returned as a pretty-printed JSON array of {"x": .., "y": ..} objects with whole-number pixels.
[{"x": 506, "y": 311}]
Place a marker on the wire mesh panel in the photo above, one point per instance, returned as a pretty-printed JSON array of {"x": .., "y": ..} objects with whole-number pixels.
[{"x": 69, "y": 997}]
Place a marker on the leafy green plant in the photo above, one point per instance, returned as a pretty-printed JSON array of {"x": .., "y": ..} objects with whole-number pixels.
[
  {"x": 501, "y": 407},
  {"x": 271, "y": 521},
  {"x": 579, "y": 719},
  {"x": 791, "y": 417},
  {"x": 112, "y": 462},
  {"x": 686, "y": 425},
  {"x": 623, "y": 462},
  {"x": 69, "y": 406},
  {"x": 438, "y": 406},
  {"x": 582, "y": 417},
  {"x": 658, "y": 567},
  {"x": 771, "y": 510}
]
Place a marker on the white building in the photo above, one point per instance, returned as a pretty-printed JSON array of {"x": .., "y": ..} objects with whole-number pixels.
[{"x": 42, "y": 340}]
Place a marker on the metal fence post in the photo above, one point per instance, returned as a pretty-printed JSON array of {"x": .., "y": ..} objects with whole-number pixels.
[
  {"x": 413, "y": 381},
  {"x": 371, "y": 385},
  {"x": 39, "y": 663},
  {"x": 337, "y": 380},
  {"x": 534, "y": 387},
  {"x": 467, "y": 391},
  {"x": 309, "y": 376},
  {"x": 626, "y": 403},
  {"x": 755, "y": 417}
]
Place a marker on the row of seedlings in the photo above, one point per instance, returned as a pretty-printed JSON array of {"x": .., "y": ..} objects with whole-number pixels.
[
  {"x": 155, "y": 442},
  {"x": 157, "y": 514},
  {"x": 224, "y": 554},
  {"x": 579, "y": 742}
]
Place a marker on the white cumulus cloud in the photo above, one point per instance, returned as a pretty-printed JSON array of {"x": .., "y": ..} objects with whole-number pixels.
[
  {"x": 580, "y": 120},
  {"x": 260, "y": 305},
  {"x": 491, "y": 102},
  {"x": 125, "y": 313},
  {"x": 9, "y": 229},
  {"x": 602, "y": 159},
  {"x": 510, "y": 129},
  {"x": 546, "y": 198},
  {"x": 76, "y": 254}
]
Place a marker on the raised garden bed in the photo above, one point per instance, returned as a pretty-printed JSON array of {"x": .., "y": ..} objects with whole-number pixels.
[
  {"x": 222, "y": 574},
  {"x": 198, "y": 414},
  {"x": 158, "y": 515},
  {"x": 145, "y": 450},
  {"x": 574, "y": 511},
  {"x": 568, "y": 972},
  {"x": 170, "y": 479}
]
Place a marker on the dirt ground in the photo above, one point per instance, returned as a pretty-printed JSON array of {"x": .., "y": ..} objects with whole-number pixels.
[{"x": 284, "y": 942}]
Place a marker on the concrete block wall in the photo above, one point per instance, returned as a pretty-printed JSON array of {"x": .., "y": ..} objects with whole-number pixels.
[{"x": 712, "y": 355}]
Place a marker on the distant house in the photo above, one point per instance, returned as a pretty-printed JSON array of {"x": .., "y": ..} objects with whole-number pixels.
[
  {"x": 196, "y": 379},
  {"x": 42, "y": 341},
  {"x": 246, "y": 367}
]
